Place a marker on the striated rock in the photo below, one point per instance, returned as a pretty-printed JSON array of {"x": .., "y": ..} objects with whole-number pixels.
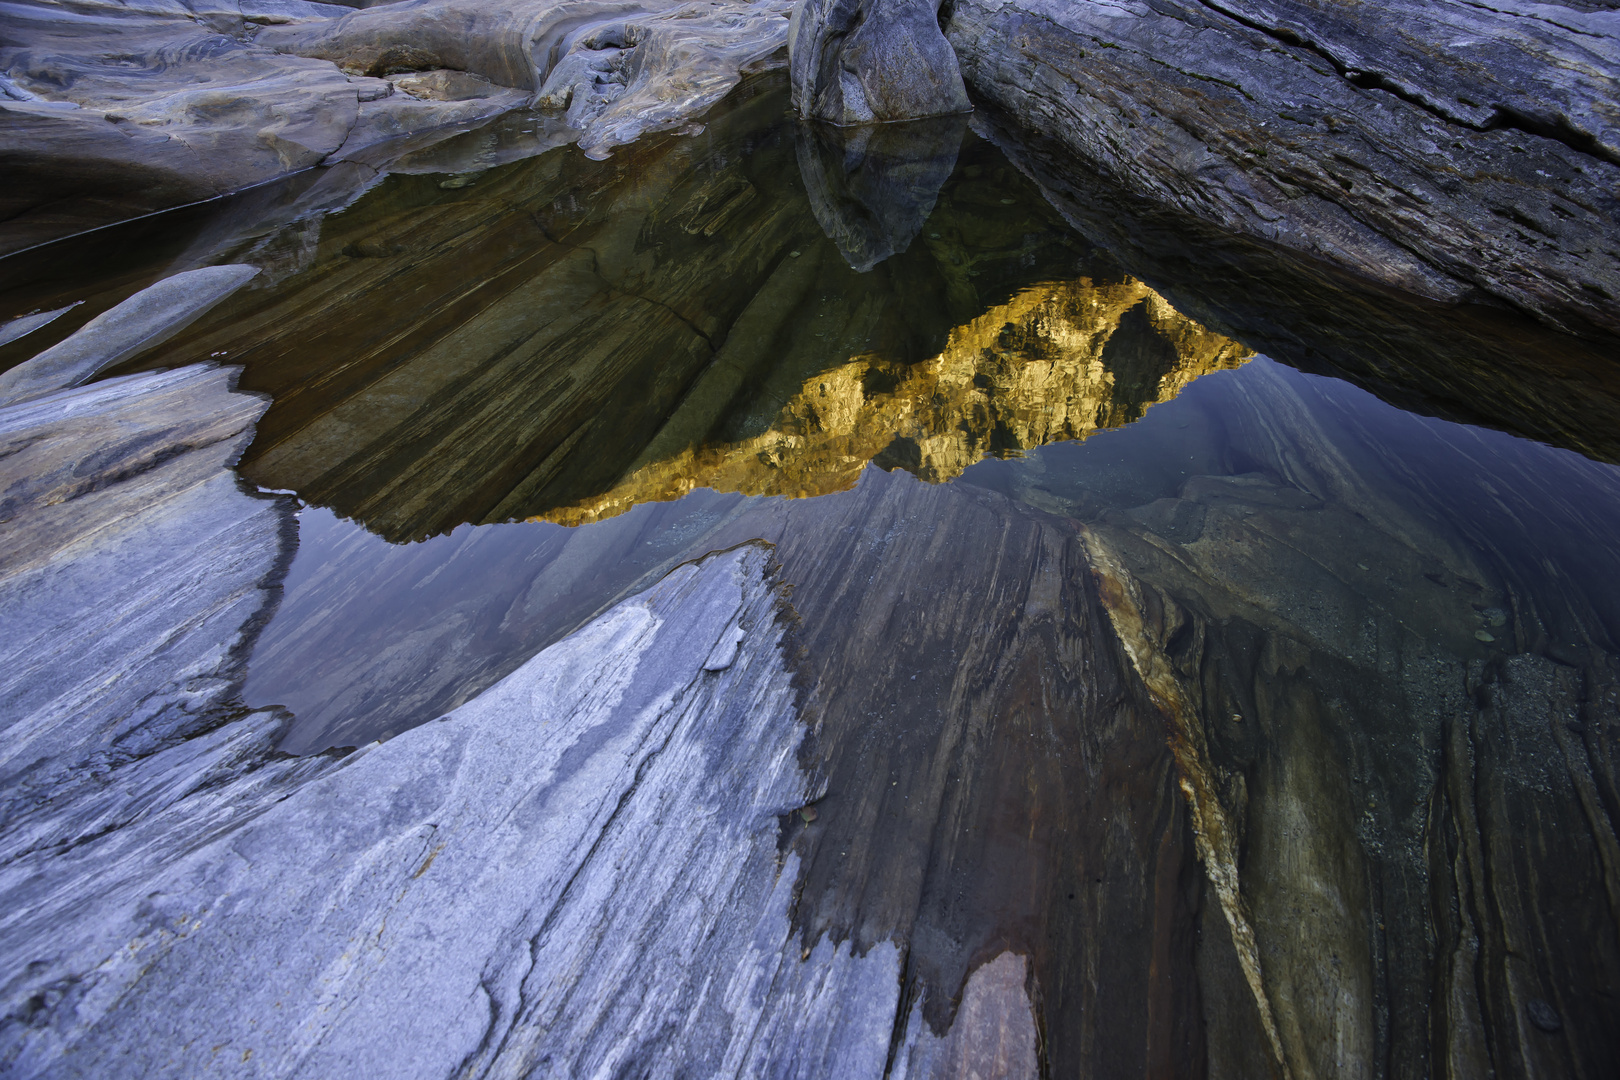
[
  {"x": 618, "y": 67},
  {"x": 144, "y": 321},
  {"x": 855, "y": 62},
  {"x": 1392, "y": 695},
  {"x": 1057, "y": 362},
  {"x": 1464, "y": 362},
  {"x": 204, "y": 111},
  {"x": 134, "y": 573},
  {"x": 1446, "y": 149},
  {"x": 648, "y": 756}
]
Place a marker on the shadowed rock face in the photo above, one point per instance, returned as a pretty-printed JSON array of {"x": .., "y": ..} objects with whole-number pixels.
[
  {"x": 872, "y": 61},
  {"x": 1392, "y": 712},
  {"x": 1447, "y": 149},
  {"x": 1466, "y": 362}
]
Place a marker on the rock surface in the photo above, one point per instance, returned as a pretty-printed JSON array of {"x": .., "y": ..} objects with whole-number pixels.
[
  {"x": 144, "y": 321},
  {"x": 1394, "y": 714},
  {"x": 213, "y": 97},
  {"x": 1448, "y": 149},
  {"x": 872, "y": 61}
]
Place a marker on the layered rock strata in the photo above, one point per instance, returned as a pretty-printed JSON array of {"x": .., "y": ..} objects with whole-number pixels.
[
  {"x": 1449, "y": 150},
  {"x": 1394, "y": 707},
  {"x": 1466, "y": 362},
  {"x": 158, "y": 853}
]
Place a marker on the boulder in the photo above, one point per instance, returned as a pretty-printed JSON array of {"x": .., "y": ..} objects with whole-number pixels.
[
  {"x": 1451, "y": 150},
  {"x": 866, "y": 61}
]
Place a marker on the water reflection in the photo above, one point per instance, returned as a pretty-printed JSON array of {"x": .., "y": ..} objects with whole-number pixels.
[
  {"x": 872, "y": 187},
  {"x": 1276, "y": 726}
]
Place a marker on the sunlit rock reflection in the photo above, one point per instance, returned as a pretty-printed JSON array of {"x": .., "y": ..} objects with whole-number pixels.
[{"x": 1056, "y": 362}]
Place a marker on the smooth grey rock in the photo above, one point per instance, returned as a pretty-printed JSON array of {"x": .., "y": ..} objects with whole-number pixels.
[
  {"x": 866, "y": 61},
  {"x": 27, "y": 324},
  {"x": 146, "y": 319},
  {"x": 130, "y": 564},
  {"x": 215, "y": 100},
  {"x": 871, "y": 188},
  {"x": 566, "y": 872},
  {"x": 618, "y": 67},
  {"x": 1454, "y": 150}
]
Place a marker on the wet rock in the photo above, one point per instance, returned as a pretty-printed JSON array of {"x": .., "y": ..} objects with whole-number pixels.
[
  {"x": 866, "y": 61},
  {"x": 144, "y": 321},
  {"x": 135, "y": 574},
  {"x": 1454, "y": 865},
  {"x": 1467, "y": 362},
  {"x": 607, "y": 770},
  {"x": 1450, "y": 150},
  {"x": 26, "y": 324},
  {"x": 873, "y": 187}
]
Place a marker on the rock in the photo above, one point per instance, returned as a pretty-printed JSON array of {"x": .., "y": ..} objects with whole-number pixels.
[
  {"x": 994, "y": 1033},
  {"x": 135, "y": 574},
  {"x": 872, "y": 187},
  {"x": 855, "y": 62},
  {"x": 1372, "y": 907},
  {"x": 609, "y": 769},
  {"x": 27, "y": 324},
  {"x": 145, "y": 320},
  {"x": 1468, "y": 362},
  {"x": 223, "y": 97},
  {"x": 1481, "y": 167},
  {"x": 619, "y": 67}
]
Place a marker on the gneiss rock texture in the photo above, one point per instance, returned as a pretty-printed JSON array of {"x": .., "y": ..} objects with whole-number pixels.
[
  {"x": 108, "y": 110},
  {"x": 181, "y": 901},
  {"x": 1452, "y": 150}
]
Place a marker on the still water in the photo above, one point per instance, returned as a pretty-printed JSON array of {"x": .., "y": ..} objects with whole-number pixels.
[{"x": 1012, "y": 486}]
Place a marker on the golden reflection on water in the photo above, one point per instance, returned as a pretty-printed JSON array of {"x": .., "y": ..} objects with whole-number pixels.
[{"x": 1055, "y": 363}]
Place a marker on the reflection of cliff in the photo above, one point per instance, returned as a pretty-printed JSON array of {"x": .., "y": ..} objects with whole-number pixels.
[
  {"x": 1054, "y": 363},
  {"x": 502, "y": 344}
]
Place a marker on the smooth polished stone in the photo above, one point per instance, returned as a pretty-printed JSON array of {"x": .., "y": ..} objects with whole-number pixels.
[{"x": 142, "y": 322}]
